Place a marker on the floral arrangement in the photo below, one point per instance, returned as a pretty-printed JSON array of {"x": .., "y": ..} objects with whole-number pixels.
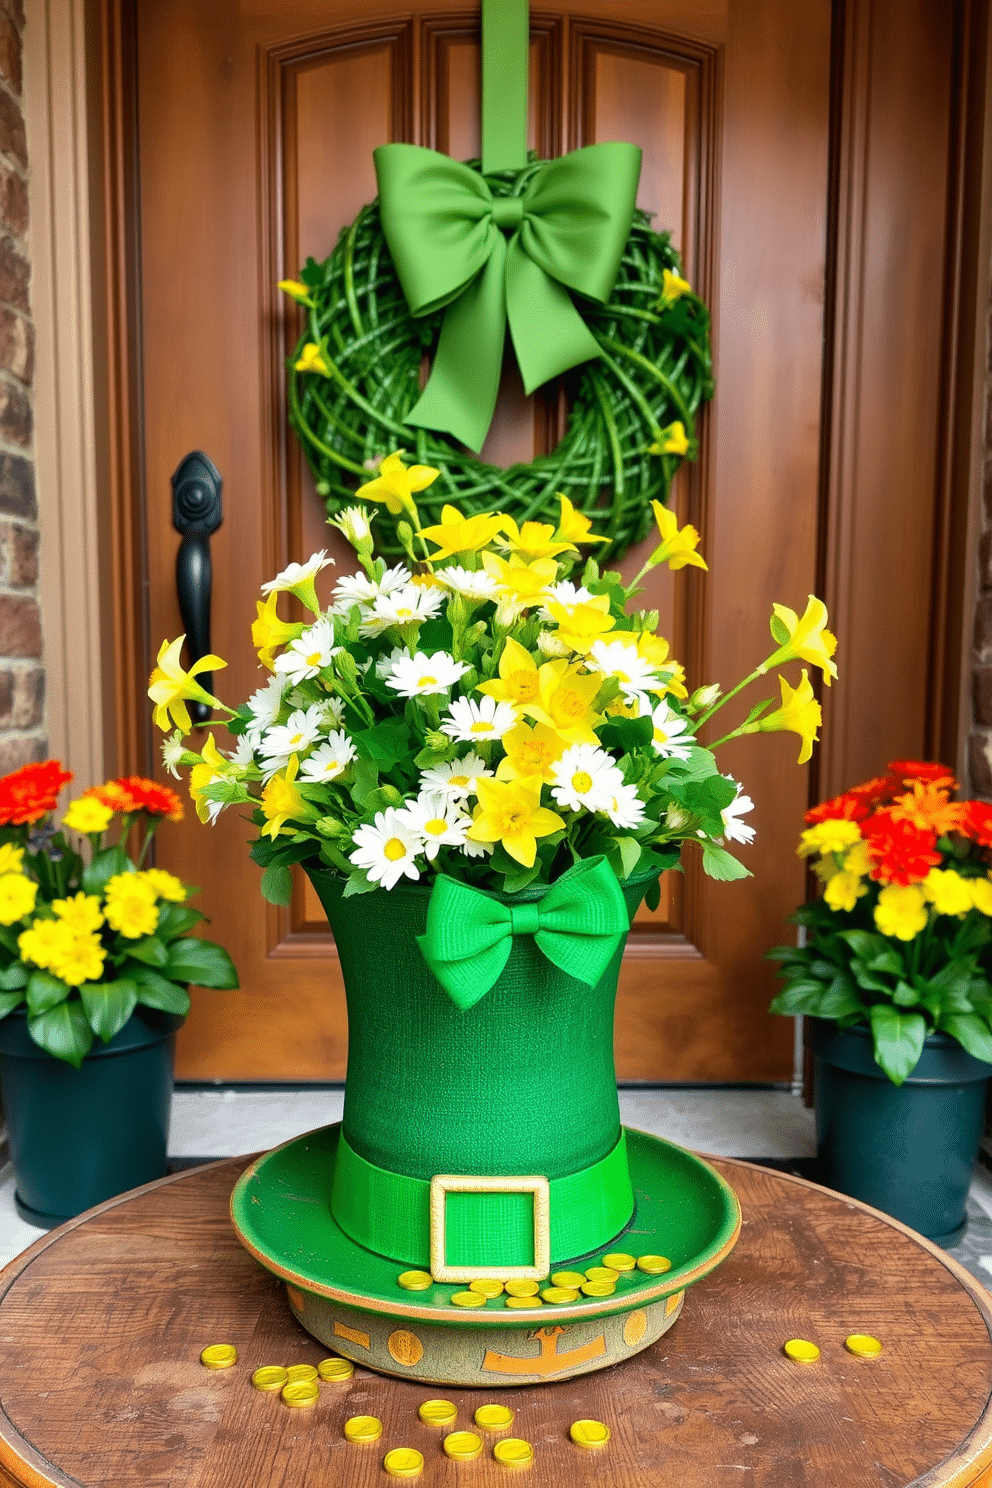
[
  {"x": 86, "y": 937},
  {"x": 898, "y": 939},
  {"x": 495, "y": 708}
]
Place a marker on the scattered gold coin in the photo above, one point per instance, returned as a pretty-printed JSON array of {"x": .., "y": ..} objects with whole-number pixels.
[
  {"x": 619, "y": 1261},
  {"x": 494, "y": 1417},
  {"x": 270, "y": 1377},
  {"x": 486, "y": 1286},
  {"x": 568, "y": 1278},
  {"x": 801, "y": 1351},
  {"x": 522, "y": 1288},
  {"x": 598, "y": 1288},
  {"x": 463, "y": 1446},
  {"x": 601, "y": 1273},
  {"x": 654, "y": 1265},
  {"x": 468, "y": 1299},
  {"x": 560, "y": 1294},
  {"x": 863, "y": 1345},
  {"x": 589, "y": 1433},
  {"x": 335, "y": 1369},
  {"x": 300, "y": 1392},
  {"x": 415, "y": 1281},
  {"x": 514, "y": 1452},
  {"x": 403, "y": 1462},
  {"x": 219, "y": 1356},
  {"x": 297, "y": 1372},
  {"x": 438, "y": 1412},
  {"x": 523, "y": 1302},
  {"x": 363, "y": 1428}
]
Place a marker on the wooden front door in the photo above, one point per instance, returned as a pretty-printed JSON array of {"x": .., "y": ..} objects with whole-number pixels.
[{"x": 255, "y": 130}]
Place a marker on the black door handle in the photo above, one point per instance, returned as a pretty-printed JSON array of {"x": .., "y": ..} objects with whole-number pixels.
[{"x": 196, "y": 513}]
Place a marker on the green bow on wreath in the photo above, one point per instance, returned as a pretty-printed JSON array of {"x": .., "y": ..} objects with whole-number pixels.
[
  {"x": 506, "y": 258},
  {"x": 577, "y": 925}
]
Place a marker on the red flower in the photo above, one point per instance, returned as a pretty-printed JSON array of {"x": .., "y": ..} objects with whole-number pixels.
[
  {"x": 848, "y": 807},
  {"x": 30, "y": 793},
  {"x": 910, "y": 770},
  {"x": 977, "y": 822},
  {"x": 134, "y": 793},
  {"x": 901, "y": 852}
]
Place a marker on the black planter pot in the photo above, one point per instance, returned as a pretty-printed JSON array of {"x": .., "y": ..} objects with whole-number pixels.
[
  {"x": 78, "y": 1137},
  {"x": 910, "y": 1149}
]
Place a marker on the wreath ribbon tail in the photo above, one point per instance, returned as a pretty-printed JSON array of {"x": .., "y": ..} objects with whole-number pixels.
[{"x": 549, "y": 335}]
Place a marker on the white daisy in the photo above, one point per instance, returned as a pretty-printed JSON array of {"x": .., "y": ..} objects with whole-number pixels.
[
  {"x": 354, "y": 522},
  {"x": 387, "y": 849},
  {"x": 332, "y": 713},
  {"x": 733, "y": 829},
  {"x": 242, "y": 754},
  {"x": 565, "y": 593},
  {"x": 439, "y": 821},
  {"x": 280, "y": 742},
  {"x": 469, "y": 720},
  {"x": 173, "y": 750},
  {"x": 585, "y": 778},
  {"x": 671, "y": 739},
  {"x": 476, "y": 849},
  {"x": 264, "y": 707},
  {"x": 472, "y": 585},
  {"x": 358, "y": 589},
  {"x": 298, "y": 574},
  {"x": 620, "y": 660},
  {"x": 456, "y": 778},
  {"x": 409, "y": 605},
  {"x": 329, "y": 760},
  {"x": 309, "y": 653},
  {"x": 384, "y": 666},
  {"x": 421, "y": 675},
  {"x": 626, "y": 809}
]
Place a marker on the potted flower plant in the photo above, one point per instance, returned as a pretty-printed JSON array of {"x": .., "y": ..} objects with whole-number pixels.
[
  {"x": 95, "y": 958},
  {"x": 483, "y": 757},
  {"x": 894, "y": 977}
]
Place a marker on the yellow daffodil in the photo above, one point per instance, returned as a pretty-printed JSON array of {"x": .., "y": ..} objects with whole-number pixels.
[
  {"x": 80, "y": 959},
  {"x": 166, "y": 885},
  {"x": 268, "y": 631},
  {"x": 835, "y": 835},
  {"x": 17, "y": 896},
  {"x": 800, "y": 714},
  {"x": 520, "y": 584},
  {"x": 281, "y": 801},
  {"x": 673, "y": 441},
  {"x": 564, "y": 702},
  {"x": 394, "y": 484},
  {"x": 948, "y": 892},
  {"x": 535, "y": 539},
  {"x": 297, "y": 291},
  {"x": 169, "y": 687},
  {"x": 310, "y": 360},
  {"x": 677, "y": 546},
  {"x": 901, "y": 911},
  {"x": 457, "y": 534},
  {"x": 531, "y": 751},
  {"x": 844, "y": 890},
  {"x": 574, "y": 525},
  {"x": 213, "y": 766},
  {"x": 654, "y": 649},
  {"x": 803, "y": 639},
  {"x": 581, "y": 625},
  {"x": 673, "y": 286},
  {"x": 510, "y": 812},
  {"x": 11, "y": 858},
  {"x": 82, "y": 912},
  {"x": 517, "y": 682},
  {"x": 88, "y": 815}
]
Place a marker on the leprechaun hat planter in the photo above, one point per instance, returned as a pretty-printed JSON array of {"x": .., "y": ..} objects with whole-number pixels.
[
  {"x": 78, "y": 1137},
  {"x": 472, "y": 1137},
  {"x": 907, "y": 1149}
]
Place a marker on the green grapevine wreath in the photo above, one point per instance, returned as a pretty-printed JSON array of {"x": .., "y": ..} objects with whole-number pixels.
[{"x": 355, "y": 375}]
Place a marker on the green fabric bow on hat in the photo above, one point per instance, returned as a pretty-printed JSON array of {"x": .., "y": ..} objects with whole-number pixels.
[
  {"x": 578, "y": 925},
  {"x": 506, "y": 258}
]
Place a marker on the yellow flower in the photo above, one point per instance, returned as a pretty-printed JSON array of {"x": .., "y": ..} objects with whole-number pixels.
[
  {"x": 297, "y": 291},
  {"x": 88, "y": 815},
  {"x": 800, "y": 713},
  {"x": 129, "y": 905},
  {"x": 981, "y": 894},
  {"x": 805, "y": 639},
  {"x": 673, "y": 441},
  {"x": 518, "y": 676},
  {"x": 166, "y": 885},
  {"x": 310, "y": 360},
  {"x": 844, "y": 890},
  {"x": 520, "y": 584},
  {"x": 169, "y": 685},
  {"x": 17, "y": 896},
  {"x": 82, "y": 913},
  {"x": 901, "y": 912},
  {"x": 213, "y": 766},
  {"x": 581, "y": 625},
  {"x": 948, "y": 892},
  {"x": 44, "y": 941},
  {"x": 831, "y": 836},
  {"x": 281, "y": 801},
  {"x": 11, "y": 858},
  {"x": 856, "y": 860},
  {"x": 575, "y": 525},
  {"x": 268, "y": 631},
  {"x": 394, "y": 484},
  {"x": 532, "y": 752},
  {"x": 677, "y": 548},
  {"x": 511, "y": 812},
  {"x": 457, "y": 534},
  {"x": 564, "y": 702},
  {"x": 535, "y": 539},
  {"x": 79, "y": 960},
  {"x": 673, "y": 286},
  {"x": 654, "y": 649}
]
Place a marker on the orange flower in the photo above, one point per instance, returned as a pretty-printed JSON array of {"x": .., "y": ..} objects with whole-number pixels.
[
  {"x": 909, "y": 770},
  {"x": 30, "y": 793},
  {"x": 927, "y": 806},
  {"x": 134, "y": 793}
]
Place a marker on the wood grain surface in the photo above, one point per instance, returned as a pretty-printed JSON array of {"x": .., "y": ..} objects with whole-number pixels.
[{"x": 102, "y": 1323}]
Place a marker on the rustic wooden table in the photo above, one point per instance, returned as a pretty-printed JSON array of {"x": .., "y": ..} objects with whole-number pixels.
[{"x": 102, "y": 1323}]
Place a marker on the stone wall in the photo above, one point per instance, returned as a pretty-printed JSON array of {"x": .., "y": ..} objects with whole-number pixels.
[
  {"x": 980, "y": 741},
  {"x": 22, "y": 677}
]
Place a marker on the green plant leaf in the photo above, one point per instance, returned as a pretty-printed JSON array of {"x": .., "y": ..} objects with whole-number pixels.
[
  {"x": 722, "y": 865},
  {"x": 9, "y": 1001},
  {"x": 277, "y": 884},
  {"x": 202, "y": 962},
  {"x": 13, "y": 976},
  {"x": 971, "y": 1032},
  {"x": 898, "y": 1039},
  {"x": 108, "y": 1005},
  {"x": 841, "y": 1000},
  {"x": 176, "y": 919},
  {"x": 149, "y": 949},
  {"x": 906, "y": 996},
  {"x": 63, "y": 1031},
  {"x": 45, "y": 991},
  {"x": 103, "y": 867},
  {"x": 357, "y": 884},
  {"x": 865, "y": 945},
  {"x": 385, "y": 743},
  {"x": 799, "y": 997},
  {"x": 157, "y": 991}
]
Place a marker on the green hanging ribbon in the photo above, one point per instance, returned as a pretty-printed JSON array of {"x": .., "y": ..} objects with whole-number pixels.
[{"x": 578, "y": 926}]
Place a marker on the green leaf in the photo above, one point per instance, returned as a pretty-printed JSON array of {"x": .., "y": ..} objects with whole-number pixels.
[
  {"x": 103, "y": 867},
  {"x": 63, "y": 1031},
  {"x": 898, "y": 1039},
  {"x": 149, "y": 949},
  {"x": 45, "y": 991},
  {"x": 841, "y": 1000},
  {"x": 175, "y": 920},
  {"x": 385, "y": 743},
  {"x": 889, "y": 961},
  {"x": 202, "y": 962},
  {"x": 627, "y": 734},
  {"x": 13, "y": 976},
  {"x": 357, "y": 884},
  {"x": 514, "y": 882},
  {"x": 108, "y": 1005},
  {"x": 653, "y": 896},
  {"x": 277, "y": 884},
  {"x": 799, "y": 997},
  {"x": 864, "y": 945},
  {"x": 971, "y": 1032},
  {"x": 365, "y": 779},
  {"x": 9, "y": 1001},
  {"x": 722, "y": 865},
  {"x": 157, "y": 991},
  {"x": 906, "y": 996}
]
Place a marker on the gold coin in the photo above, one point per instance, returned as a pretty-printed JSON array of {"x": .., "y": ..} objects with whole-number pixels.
[
  {"x": 654, "y": 1265},
  {"x": 468, "y": 1299},
  {"x": 514, "y": 1452},
  {"x": 589, "y": 1433},
  {"x": 300, "y": 1392},
  {"x": 598, "y": 1288},
  {"x": 486, "y": 1286},
  {"x": 335, "y": 1369},
  {"x": 403, "y": 1462},
  {"x": 415, "y": 1281},
  {"x": 219, "y": 1356},
  {"x": 438, "y": 1412},
  {"x": 619, "y": 1261},
  {"x": 863, "y": 1345},
  {"x": 522, "y": 1288},
  {"x": 297, "y": 1372},
  {"x": 801, "y": 1351},
  {"x": 560, "y": 1294},
  {"x": 523, "y": 1302},
  {"x": 463, "y": 1446},
  {"x": 270, "y": 1377},
  {"x": 495, "y": 1417},
  {"x": 363, "y": 1428},
  {"x": 601, "y": 1273},
  {"x": 568, "y": 1278}
]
